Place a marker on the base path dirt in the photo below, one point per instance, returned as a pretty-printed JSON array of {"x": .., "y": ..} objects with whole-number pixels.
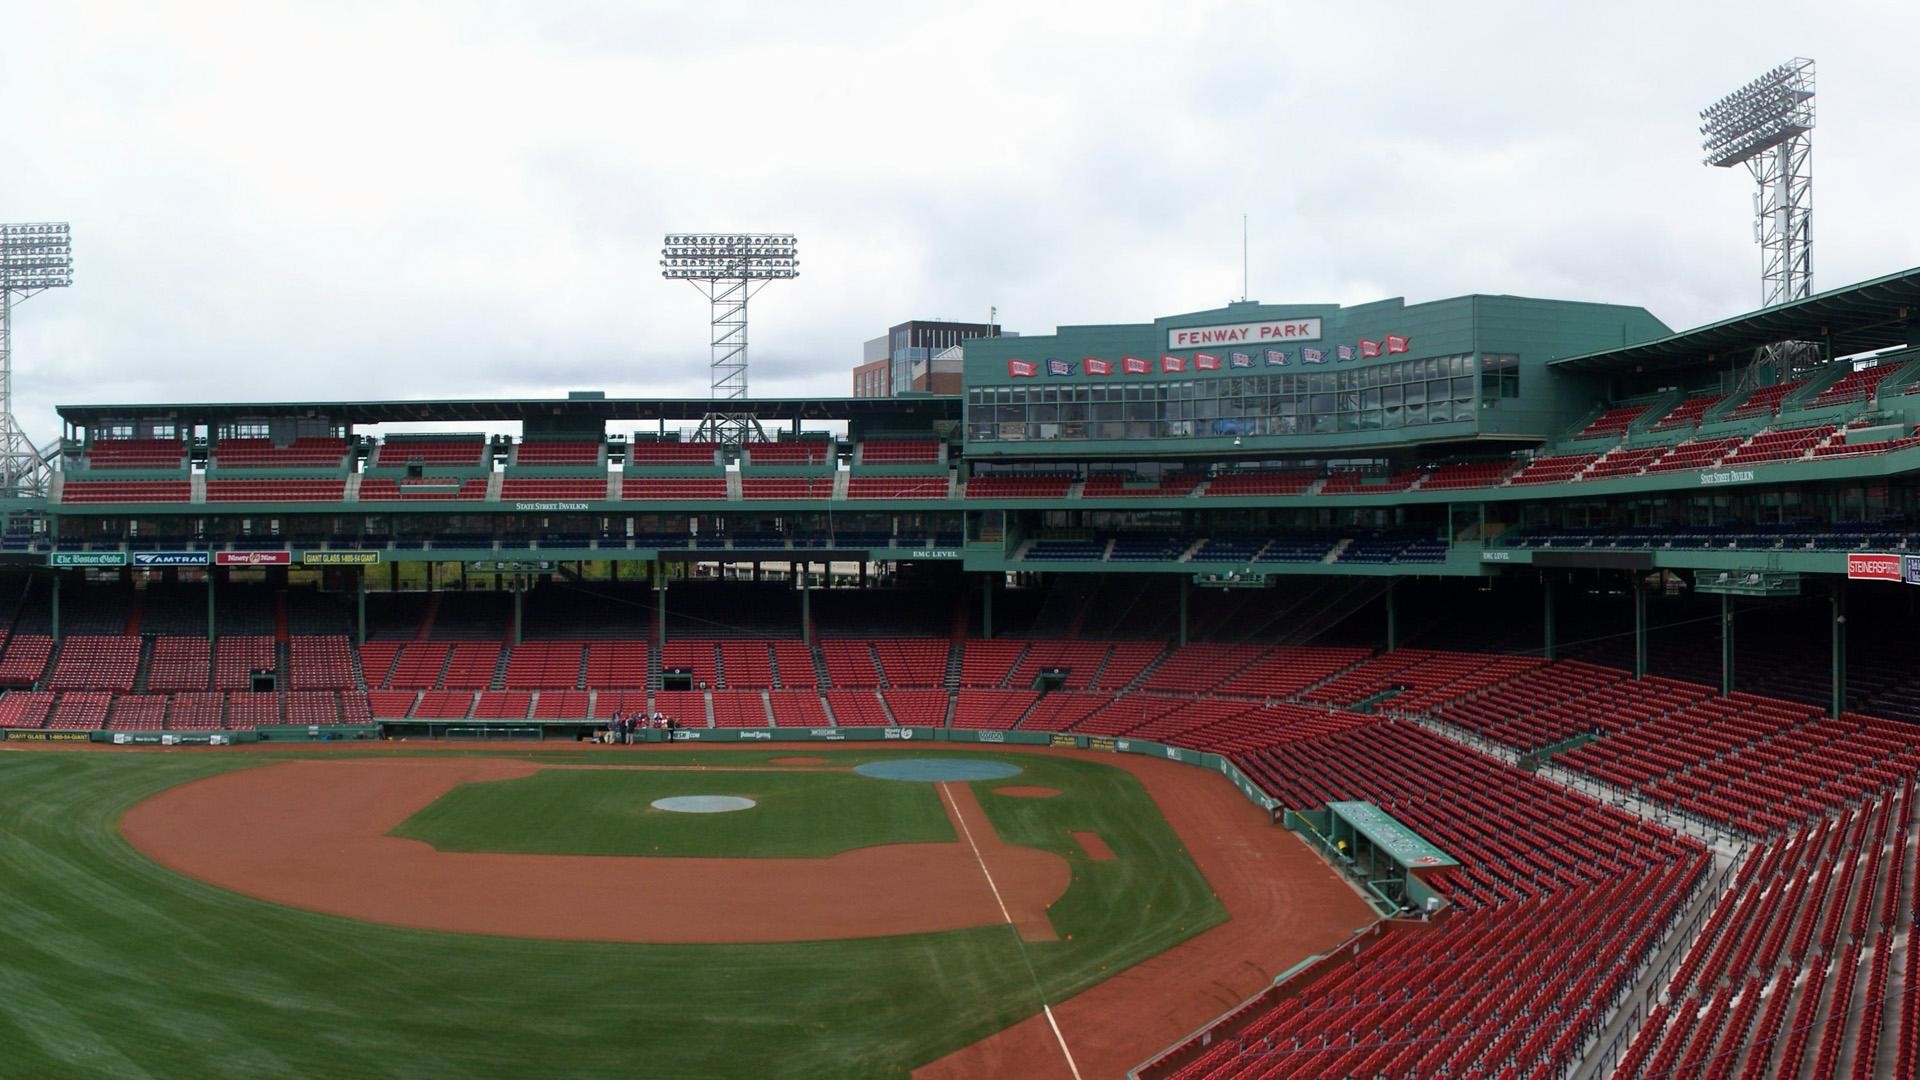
[
  {"x": 312, "y": 834},
  {"x": 1096, "y": 848},
  {"x": 1285, "y": 905}
]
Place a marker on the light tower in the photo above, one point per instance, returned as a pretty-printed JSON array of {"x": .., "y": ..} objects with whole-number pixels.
[
  {"x": 728, "y": 269},
  {"x": 33, "y": 257},
  {"x": 1767, "y": 125}
]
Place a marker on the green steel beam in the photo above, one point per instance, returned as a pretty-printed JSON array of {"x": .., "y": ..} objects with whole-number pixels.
[
  {"x": 1639, "y": 628},
  {"x": 1839, "y": 703},
  {"x": 1547, "y": 617},
  {"x": 1726, "y": 644}
]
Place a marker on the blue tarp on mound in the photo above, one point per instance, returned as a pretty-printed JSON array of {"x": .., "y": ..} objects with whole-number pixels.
[{"x": 938, "y": 770}]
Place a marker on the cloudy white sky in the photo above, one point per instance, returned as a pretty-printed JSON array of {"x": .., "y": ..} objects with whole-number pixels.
[{"x": 397, "y": 200}]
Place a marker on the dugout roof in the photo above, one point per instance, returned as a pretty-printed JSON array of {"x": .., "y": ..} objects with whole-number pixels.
[{"x": 1859, "y": 318}]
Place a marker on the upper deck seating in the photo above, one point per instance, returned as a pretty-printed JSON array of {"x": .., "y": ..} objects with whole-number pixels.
[
  {"x": 1766, "y": 400},
  {"x": 673, "y": 453},
  {"x": 1688, "y": 412},
  {"x": 450, "y": 453},
  {"x": 900, "y": 452},
  {"x": 307, "y": 452},
  {"x": 136, "y": 454},
  {"x": 583, "y": 452},
  {"x": 896, "y": 487},
  {"x": 1261, "y": 482},
  {"x": 1019, "y": 486},
  {"x": 280, "y": 490},
  {"x": 1612, "y": 423}
]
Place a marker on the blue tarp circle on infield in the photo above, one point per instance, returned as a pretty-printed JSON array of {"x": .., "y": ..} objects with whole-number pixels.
[
  {"x": 702, "y": 804},
  {"x": 937, "y": 770}
]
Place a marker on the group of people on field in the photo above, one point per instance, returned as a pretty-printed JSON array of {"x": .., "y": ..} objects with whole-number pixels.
[{"x": 629, "y": 729}]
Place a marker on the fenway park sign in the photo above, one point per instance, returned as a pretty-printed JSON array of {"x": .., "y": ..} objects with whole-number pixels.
[{"x": 1249, "y": 333}]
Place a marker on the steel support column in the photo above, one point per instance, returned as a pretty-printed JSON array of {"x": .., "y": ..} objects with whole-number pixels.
[
  {"x": 1550, "y": 645},
  {"x": 1393, "y": 618},
  {"x": 1839, "y": 704},
  {"x": 1184, "y": 586},
  {"x": 1726, "y": 644},
  {"x": 1639, "y": 630}
]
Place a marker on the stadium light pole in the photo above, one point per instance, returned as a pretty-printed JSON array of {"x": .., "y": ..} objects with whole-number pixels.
[
  {"x": 34, "y": 257},
  {"x": 728, "y": 269},
  {"x": 1767, "y": 125}
]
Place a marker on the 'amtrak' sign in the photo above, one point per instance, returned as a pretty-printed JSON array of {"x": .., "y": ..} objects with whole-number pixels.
[{"x": 170, "y": 558}]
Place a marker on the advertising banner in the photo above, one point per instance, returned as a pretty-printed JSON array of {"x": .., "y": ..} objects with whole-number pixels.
[
  {"x": 169, "y": 558},
  {"x": 253, "y": 558},
  {"x": 47, "y": 736},
  {"x": 87, "y": 558},
  {"x": 1865, "y": 567},
  {"x": 339, "y": 558},
  {"x": 1911, "y": 565}
]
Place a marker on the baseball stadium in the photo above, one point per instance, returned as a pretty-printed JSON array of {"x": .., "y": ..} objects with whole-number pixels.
[{"x": 1488, "y": 686}]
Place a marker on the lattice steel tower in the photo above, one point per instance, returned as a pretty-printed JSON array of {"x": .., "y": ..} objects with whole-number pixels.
[
  {"x": 728, "y": 269},
  {"x": 34, "y": 257},
  {"x": 1767, "y": 125}
]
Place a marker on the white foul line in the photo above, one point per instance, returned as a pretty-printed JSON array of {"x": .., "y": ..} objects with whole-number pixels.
[{"x": 1005, "y": 914}]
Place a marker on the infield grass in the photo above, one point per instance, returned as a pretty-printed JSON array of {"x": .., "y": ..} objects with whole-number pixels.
[
  {"x": 798, "y": 815},
  {"x": 112, "y": 966}
]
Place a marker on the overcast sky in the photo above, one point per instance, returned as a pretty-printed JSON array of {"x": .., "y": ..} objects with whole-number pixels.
[{"x": 339, "y": 200}]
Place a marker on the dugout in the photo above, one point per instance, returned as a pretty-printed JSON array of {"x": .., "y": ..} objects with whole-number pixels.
[{"x": 1377, "y": 851}]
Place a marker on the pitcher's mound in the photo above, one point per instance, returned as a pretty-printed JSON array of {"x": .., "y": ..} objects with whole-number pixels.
[{"x": 703, "y": 804}]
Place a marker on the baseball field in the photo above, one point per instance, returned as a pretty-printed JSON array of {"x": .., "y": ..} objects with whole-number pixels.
[{"x": 489, "y": 913}]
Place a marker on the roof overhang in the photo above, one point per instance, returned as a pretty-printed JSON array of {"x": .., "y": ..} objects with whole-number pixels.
[{"x": 1859, "y": 318}]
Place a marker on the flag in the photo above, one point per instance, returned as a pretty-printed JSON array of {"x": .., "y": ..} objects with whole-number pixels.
[
  {"x": 1239, "y": 359},
  {"x": 1096, "y": 366},
  {"x": 1134, "y": 365},
  {"x": 1173, "y": 363},
  {"x": 1022, "y": 369},
  {"x": 1343, "y": 352},
  {"x": 1276, "y": 358},
  {"x": 1307, "y": 356},
  {"x": 1058, "y": 367},
  {"x": 1397, "y": 344},
  {"x": 1206, "y": 362},
  {"x": 1368, "y": 348}
]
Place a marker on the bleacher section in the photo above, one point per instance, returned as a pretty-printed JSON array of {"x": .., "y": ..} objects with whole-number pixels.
[
  {"x": 303, "y": 453},
  {"x": 1612, "y": 423}
]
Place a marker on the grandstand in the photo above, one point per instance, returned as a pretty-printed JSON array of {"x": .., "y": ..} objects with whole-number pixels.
[{"x": 1617, "y": 626}]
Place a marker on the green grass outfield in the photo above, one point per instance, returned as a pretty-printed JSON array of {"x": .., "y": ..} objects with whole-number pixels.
[
  {"x": 800, "y": 815},
  {"x": 111, "y": 966}
]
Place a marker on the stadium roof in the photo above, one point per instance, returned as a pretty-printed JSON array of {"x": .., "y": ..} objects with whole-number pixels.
[
  {"x": 919, "y": 406},
  {"x": 1856, "y": 319}
]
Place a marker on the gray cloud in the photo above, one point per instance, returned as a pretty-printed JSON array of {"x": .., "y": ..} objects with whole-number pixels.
[{"x": 393, "y": 200}]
